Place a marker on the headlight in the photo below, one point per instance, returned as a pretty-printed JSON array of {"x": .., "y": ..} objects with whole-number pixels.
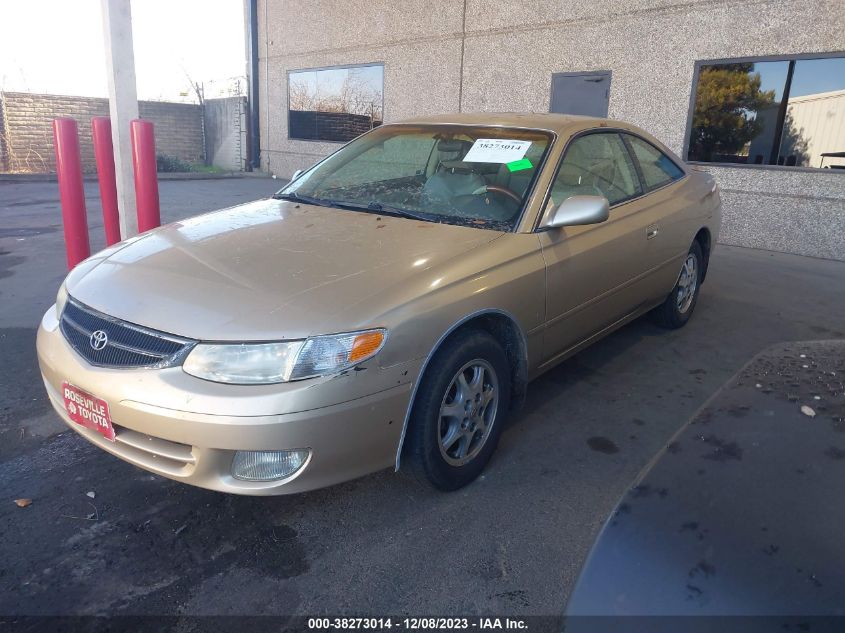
[
  {"x": 243, "y": 364},
  {"x": 61, "y": 300},
  {"x": 265, "y": 363}
]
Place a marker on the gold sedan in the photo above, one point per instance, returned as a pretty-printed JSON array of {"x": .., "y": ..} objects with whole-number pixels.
[{"x": 389, "y": 306}]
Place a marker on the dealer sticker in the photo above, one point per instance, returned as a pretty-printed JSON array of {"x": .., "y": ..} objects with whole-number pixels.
[
  {"x": 496, "y": 150},
  {"x": 87, "y": 410}
]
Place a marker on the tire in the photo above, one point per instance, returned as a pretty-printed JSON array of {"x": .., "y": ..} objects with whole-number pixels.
[
  {"x": 450, "y": 451},
  {"x": 679, "y": 306}
]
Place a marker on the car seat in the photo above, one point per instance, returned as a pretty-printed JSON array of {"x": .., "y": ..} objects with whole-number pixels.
[{"x": 453, "y": 177}]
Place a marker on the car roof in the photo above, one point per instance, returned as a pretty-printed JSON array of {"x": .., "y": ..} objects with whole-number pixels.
[
  {"x": 564, "y": 125},
  {"x": 543, "y": 121}
]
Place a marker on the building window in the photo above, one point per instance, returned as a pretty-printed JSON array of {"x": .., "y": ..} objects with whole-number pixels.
[
  {"x": 335, "y": 104},
  {"x": 788, "y": 112}
]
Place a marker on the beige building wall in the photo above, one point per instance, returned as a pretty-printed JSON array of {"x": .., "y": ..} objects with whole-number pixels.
[
  {"x": 419, "y": 44},
  {"x": 476, "y": 55}
]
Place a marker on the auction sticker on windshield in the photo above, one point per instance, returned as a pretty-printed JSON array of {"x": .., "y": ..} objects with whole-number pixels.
[
  {"x": 87, "y": 410},
  {"x": 496, "y": 150}
]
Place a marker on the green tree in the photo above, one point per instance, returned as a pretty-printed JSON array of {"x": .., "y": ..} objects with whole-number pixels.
[{"x": 726, "y": 103}]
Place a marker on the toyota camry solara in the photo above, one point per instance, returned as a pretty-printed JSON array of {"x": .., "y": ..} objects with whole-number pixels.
[{"x": 389, "y": 306}]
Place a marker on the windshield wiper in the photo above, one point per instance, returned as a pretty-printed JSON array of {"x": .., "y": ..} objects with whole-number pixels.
[
  {"x": 372, "y": 207},
  {"x": 296, "y": 197},
  {"x": 378, "y": 207}
]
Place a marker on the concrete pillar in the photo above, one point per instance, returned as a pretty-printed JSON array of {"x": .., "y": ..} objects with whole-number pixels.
[{"x": 123, "y": 105}]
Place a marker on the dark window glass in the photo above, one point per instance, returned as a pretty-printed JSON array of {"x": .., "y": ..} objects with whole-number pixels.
[
  {"x": 657, "y": 168},
  {"x": 789, "y": 112},
  {"x": 596, "y": 165},
  {"x": 736, "y": 111},
  {"x": 335, "y": 104}
]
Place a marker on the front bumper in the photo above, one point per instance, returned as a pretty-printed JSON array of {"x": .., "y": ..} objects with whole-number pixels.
[{"x": 188, "y": 429}]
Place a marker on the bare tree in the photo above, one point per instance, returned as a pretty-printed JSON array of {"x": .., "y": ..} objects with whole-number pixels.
[
  {"x": 301, "y": 98},
  {"x": 355, "y": 95}
]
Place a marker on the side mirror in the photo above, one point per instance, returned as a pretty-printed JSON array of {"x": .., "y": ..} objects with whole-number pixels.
[
  {"x": 579, "y": 210},
  {"x": 296, "y": 175}
]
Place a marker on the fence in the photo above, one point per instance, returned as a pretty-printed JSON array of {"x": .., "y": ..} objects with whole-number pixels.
[{"x": 26, "y": 136}]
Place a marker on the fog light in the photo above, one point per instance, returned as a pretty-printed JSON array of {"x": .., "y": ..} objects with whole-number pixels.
[{"x": 267, "y": 465}]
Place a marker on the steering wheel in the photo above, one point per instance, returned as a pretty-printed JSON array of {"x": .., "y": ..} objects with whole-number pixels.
[{"x": 504, "y": 191}]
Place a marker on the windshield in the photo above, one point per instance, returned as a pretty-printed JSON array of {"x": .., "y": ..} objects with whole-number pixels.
[{"x": 471, "y": 175}]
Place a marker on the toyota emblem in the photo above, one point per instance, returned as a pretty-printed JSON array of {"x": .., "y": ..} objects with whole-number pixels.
[{"x": 98, "y": 340}]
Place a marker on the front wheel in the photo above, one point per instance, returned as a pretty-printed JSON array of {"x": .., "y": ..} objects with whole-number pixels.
[
  {"x": 679, "y": 305},
  {"x": 459, "y": 410}
]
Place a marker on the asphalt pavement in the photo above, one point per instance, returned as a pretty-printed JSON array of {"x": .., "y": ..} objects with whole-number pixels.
[
  {"x": 513, "y": 542},
  {"x": 740, "y": 515}
]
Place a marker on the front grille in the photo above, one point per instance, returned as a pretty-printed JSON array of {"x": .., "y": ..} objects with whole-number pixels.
[{"x": 127, "y": 345}]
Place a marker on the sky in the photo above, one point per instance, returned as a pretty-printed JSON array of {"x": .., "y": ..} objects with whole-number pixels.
[
  {"x": 818, "y": 75},
  {"x": 56, "y": 46},
  {"x": 811, "y": 76},
  {"x": 327, "y": 83}
]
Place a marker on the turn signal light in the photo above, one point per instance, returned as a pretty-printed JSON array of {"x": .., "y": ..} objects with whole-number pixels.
[{"x": 365, "y": 345}]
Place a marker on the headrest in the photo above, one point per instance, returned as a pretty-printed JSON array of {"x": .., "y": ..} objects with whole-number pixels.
[
  {"x": 449, "y": 145},
  {"x": 570, "y": 176}
]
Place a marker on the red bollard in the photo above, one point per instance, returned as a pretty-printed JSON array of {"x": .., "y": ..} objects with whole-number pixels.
[
  {"x": 71, "y": 191},
  {"x": 146, "y": 177},
  {"x": 104, "y": 154}
]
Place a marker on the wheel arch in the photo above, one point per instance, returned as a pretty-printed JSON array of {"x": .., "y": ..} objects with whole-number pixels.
[{"x": 505, "y": 328}]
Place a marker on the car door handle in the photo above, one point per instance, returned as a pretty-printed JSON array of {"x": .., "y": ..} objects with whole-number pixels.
[{"x": 652, "y": 231}]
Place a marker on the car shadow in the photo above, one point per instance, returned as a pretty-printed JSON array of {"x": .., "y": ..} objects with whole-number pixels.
[{"x": 587, "y": 365}]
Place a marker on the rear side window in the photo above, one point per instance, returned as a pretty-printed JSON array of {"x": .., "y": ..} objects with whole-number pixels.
[{"x": 657, "y": 168}]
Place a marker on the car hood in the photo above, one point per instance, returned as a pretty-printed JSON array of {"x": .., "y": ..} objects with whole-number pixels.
[{"x": 266, "y": 270}]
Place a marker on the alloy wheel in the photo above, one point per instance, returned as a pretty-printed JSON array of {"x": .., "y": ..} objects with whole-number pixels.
[
  {"x": 468, "y": 412},
  {"x": 687, "y": 284}
]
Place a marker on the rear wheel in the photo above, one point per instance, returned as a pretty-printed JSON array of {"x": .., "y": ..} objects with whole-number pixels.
[
  {"x": 679, "y": 305},
  {"x": 459, "y": 410}
]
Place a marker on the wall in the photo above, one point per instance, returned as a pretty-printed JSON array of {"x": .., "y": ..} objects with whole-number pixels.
[
  {"x": 420, "y": 43},
  {"x": 822, "y": 117},
  {"x": 4, "y": 133},
  {"x": 226, "y": 125},
  {"x": 503, "y": 60},
  {"x": 28, "y": 121}
]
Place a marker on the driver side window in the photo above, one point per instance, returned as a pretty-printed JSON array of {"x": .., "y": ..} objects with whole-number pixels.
[{"x": 596, "y": 164}]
